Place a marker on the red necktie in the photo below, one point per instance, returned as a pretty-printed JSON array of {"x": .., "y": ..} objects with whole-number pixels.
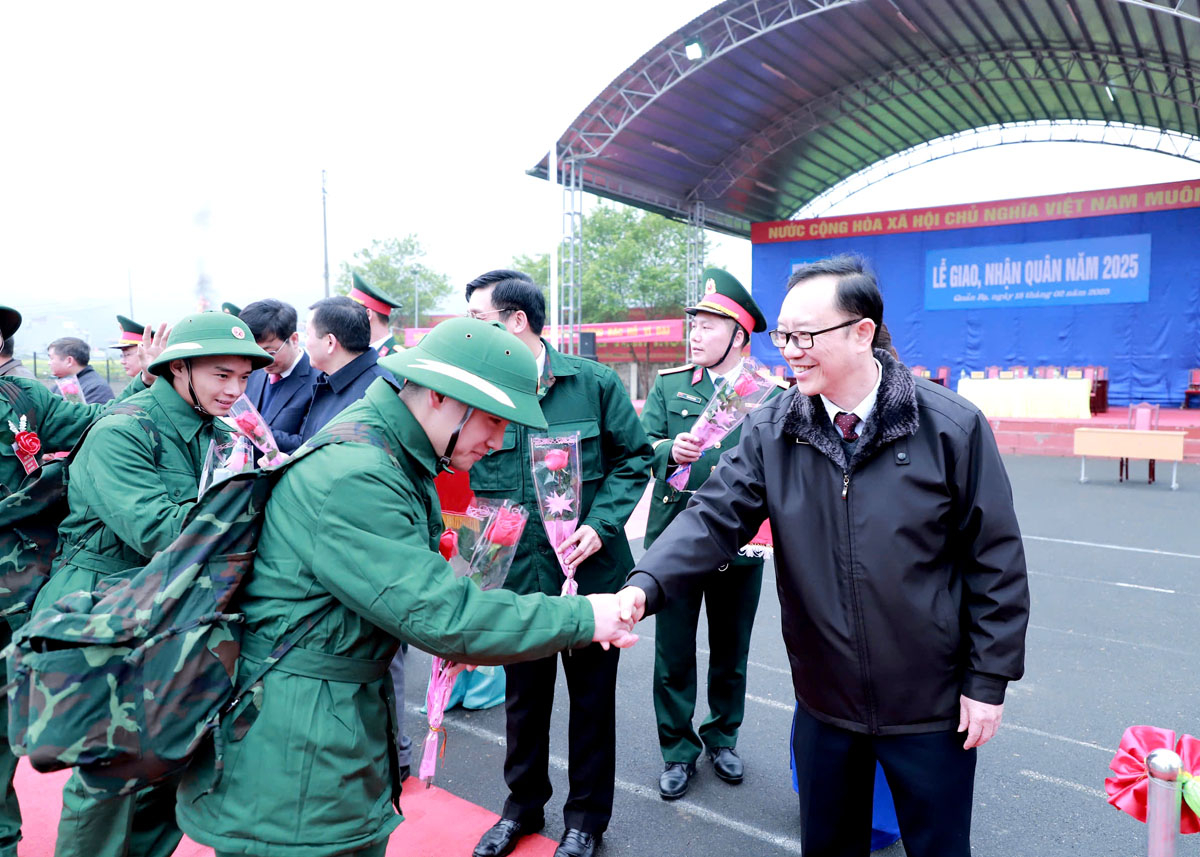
[
  {"x": 846, "y": 422},
  {"x": 274, "y": 379}
]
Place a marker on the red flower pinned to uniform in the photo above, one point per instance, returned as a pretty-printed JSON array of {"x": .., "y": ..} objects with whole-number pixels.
[
  {"x": 28, "y": 442},
  {"x": 556, "y": 459},
  {"x": 448, "y": 545},
  {"x": 1129, "y": 787},
  {"x": 505, "y": 529}
]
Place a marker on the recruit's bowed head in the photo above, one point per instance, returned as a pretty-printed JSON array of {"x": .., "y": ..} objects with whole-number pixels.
[{"x": 477, "y": 363}]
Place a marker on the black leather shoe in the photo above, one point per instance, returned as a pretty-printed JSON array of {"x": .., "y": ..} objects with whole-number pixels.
[
  {"x": 502, "y": 837},
  {"x": 727, "y": 765},
  {"x": 673, "y": 782},
  {"x": 576, "y": 843}
]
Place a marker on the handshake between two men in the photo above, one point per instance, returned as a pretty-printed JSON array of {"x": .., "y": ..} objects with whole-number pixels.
[{"x": 615, "y": 616}]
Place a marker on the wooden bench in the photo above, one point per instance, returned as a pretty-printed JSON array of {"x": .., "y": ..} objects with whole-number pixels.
[{"x": 1130, "y": 443}]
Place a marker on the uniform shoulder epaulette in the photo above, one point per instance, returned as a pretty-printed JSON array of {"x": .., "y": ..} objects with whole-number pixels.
[{"x": 673, "y": 369}]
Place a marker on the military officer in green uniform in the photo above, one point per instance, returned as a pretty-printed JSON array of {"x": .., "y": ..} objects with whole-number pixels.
[
  {"x": 127, "y": 343},
  {"x": 379, "y": 310},
  {"x": 131, "y": 485},
  {"x": 721, "y": 325},
  {"x": 350, "y": 536},
  {"x": 51, "y": 424},
  {"x": 576, "y": 395}
]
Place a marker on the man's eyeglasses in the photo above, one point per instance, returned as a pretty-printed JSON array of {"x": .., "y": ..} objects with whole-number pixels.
[
  {"x": 803, "y": 339},
  {"x": 482, "y": 316}
]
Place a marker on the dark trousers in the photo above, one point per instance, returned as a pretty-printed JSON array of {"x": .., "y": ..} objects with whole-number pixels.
[
  {"x": 731, "y": 600},
  {"x": 931, "y": 776},
  {"x": 592, "y": 737}
]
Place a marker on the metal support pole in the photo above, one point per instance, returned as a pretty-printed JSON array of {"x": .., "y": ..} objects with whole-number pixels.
[
  {"x": 570, "y": 259},
  {"x": 695, "y": 265},
  {"x": 325, "y": 232},
  {"x": 1163, "y": 801}
]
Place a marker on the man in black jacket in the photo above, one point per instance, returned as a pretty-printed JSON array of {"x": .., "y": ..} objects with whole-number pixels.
[{"x": 899, "y": 564}]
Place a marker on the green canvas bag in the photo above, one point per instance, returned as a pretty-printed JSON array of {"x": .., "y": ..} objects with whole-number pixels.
[{"x": 124, "y": 683}]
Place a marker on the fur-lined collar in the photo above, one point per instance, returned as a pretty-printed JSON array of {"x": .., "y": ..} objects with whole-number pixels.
[{"x": 895, "y": 416}]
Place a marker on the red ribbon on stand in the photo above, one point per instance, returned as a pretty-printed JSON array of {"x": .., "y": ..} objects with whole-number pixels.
[{"x": 1129, "y": 787}]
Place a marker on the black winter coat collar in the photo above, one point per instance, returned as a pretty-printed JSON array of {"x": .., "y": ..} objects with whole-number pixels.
[{"x": 894, "y": 417}]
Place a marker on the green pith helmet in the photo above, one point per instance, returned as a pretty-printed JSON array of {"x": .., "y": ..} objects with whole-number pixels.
[
  {"x": 481, "y": 365},
  {"x": 724, "y": 295},
  {"x": 10, "y": 320},
  {"x": 231, "y": 309},
  {"x": 210, "y": 334}
]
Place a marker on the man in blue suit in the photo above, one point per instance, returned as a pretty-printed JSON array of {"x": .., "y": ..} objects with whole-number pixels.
[
  {"x": 338, "y": 342},
  {"x": 283, "y": 390}
]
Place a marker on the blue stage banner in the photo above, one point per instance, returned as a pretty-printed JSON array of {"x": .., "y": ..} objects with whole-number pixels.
[{"x": 1111, "y": 269}]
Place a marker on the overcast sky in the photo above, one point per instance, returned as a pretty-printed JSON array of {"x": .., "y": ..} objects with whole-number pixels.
[{"x": 145, "y": 142}]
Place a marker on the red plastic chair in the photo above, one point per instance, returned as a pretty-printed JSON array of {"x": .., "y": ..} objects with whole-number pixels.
[
  {"x": 1019, "y": 371},
  {"x": 1193, "y": 387},
  {"x": 993, "y": 371},
  {"x": 1142, "y": 417}
]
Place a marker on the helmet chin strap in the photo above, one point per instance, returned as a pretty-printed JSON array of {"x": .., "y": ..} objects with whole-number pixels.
[
  {"x": 729, "y": 347},
  {"x": 444, "y": 460},
  {"x": 192, "y": 392}
]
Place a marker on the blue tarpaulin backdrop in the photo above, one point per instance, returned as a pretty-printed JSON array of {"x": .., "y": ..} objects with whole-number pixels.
[{"x": 1148, "y": 346}]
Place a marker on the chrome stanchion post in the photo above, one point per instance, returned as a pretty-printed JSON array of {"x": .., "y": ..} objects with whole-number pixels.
[{"x": 1163, "y": 801}]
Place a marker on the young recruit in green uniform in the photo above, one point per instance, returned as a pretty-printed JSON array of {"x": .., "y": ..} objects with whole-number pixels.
[
  {"x": 57, "y": 425},
  {"x": 308, "y": 764},
  {"x": 131, "y": 485}
]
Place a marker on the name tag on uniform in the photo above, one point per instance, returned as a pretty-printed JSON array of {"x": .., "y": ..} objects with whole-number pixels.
[{"x": 696, "y": 399}]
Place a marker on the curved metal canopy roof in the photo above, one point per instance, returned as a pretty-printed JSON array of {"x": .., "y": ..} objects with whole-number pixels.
[{"x": 793, "y": 96}]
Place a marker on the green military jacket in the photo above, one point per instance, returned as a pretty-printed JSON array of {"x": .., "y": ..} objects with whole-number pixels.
[
  {"x": 128, "y": 502},
  {"x": 677, "y": 398},
  {"x": 307, "y": 767},
  {"x": 576, "y": 395},
  {"x": 57, "y": 422}
]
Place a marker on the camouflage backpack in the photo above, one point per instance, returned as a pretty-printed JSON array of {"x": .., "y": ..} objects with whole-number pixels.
[
  {"x": 30, "y": 515},
  {"x": 125, "y": 683}
]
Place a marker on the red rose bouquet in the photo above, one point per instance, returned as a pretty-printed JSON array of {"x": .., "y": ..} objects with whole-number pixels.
[
  {"x": 730, "y": 405},
  {"x": 480, "y": 544},
  {"x": 224, "y": 460},
  {"x": 247, "y": 420},
  {"x": 557, "y": 480}
]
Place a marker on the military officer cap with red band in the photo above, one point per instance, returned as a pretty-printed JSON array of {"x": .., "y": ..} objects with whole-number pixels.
[
  {"x": 371, "y": 297},
  {"x": 131, "y": 333},
  {"x": 723, "y": 295}
]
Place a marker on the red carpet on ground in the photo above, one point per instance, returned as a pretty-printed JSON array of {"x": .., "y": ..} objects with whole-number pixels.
[{"x": 436, "y": 823}]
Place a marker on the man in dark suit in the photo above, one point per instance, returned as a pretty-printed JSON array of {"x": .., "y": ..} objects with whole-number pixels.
[
  {"x": 338, "y": 342},
  {"x": 283, "y": 390},
  {"x": 69, "y": 357}
]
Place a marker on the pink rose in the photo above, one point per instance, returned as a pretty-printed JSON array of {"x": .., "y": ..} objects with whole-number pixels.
[
  {"x": 556, "y": 459},
  {"x": 246, "y": 422},
  {"x": 505, "y": 529},
  {"x": 745, "y": 385},
  {"x": 448, "y": 545}
]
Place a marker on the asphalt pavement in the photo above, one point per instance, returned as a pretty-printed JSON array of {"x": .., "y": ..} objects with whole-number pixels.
[{"x": 1115, "y": 581}]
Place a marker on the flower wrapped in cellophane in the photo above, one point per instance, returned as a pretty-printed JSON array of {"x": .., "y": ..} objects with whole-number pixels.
[
  {"x": 732, "y": 402},
  {"x": 479, "y": 544},
  {"x": 557, "y": 480},
  {"x": 247, "y": 420},
  {"x": 224, "y": 460},
  {"x": 70, "y": 389}
]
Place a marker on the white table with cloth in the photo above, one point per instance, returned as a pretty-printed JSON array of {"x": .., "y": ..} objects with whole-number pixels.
[{"x": 1042, "y": 398}]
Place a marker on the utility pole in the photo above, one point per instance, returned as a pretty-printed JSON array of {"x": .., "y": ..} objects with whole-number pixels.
[{"x": 325, "y": 232}]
